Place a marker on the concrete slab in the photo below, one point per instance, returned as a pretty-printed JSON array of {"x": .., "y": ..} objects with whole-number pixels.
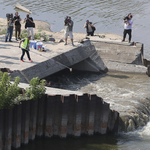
[{"x": 53, "y": 91}]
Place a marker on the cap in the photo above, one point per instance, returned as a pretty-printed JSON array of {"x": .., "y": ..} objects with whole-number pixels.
[
  {"x": 29, "y": 36},
  {"x": 87, "y": 20}
]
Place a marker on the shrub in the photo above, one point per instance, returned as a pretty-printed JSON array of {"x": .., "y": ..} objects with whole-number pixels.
[
  {"x": 37, "y": 36},
  {"x": 8, "y": 91},
  {"x": 24, "y": 34},
  {"x": 4, "y": 31},
  {"x": 36, "y": 89}
]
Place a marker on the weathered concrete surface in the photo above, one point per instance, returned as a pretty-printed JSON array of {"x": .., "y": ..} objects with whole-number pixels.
[
  {"x": 120, "y": 56},
  {"x": 46, "y": 63}
]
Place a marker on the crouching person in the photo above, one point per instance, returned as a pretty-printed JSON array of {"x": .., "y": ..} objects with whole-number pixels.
[{"x": 25, "y": 48}]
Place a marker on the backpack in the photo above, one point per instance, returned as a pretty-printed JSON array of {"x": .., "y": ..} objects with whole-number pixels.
[{"x": 93, "y": 28}]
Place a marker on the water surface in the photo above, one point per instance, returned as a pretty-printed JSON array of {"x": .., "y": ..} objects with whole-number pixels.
[{"x": 122, "y": 91}]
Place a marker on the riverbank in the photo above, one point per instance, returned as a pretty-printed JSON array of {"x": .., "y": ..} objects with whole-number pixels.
[
  {"x": 89, "y": 55},
  {"x": 41, "y": 26}
]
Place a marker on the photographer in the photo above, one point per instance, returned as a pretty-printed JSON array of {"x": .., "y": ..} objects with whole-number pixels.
[
  {"x": 127, "y": 27},
  {"x": 68, "y": 31},
  {"x": 29, "y": 25},
  {"x": 17, "y": 20},
  {"x": 9, "y": 27},
  {"x": 89, "y": 28}
]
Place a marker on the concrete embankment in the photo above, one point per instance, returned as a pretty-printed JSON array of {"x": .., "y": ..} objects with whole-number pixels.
[
  {"x": 55, "y": 59},
  {"x": 120, "y": 56},
  {"x": 56, "y": 115}
]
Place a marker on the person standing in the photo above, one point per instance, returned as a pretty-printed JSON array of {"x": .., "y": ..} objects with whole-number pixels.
[
  {"x": 89, "y": 28},
  {"x": 9, "y": 27},
  {"x": 69, "y": 28},
  {"x": 17, "y": 20},
  {"x": 29, "y": 25},
  {"x": 127, "y": 27},
  {"x": 25, "y": 48}
]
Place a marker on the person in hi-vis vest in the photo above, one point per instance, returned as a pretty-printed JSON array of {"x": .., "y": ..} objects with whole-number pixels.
[{"x": 25, "y": 47}]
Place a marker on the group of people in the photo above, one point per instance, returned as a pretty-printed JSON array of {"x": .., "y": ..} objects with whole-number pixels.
[
  {"x": 90, "y": 28},
  {"x": 29, "y": 24},
  {"x": 69, "y": 28},
  {"x": 15, "y": 21}
]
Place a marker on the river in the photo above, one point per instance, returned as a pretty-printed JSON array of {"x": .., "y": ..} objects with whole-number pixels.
[{"x": 123, "y": 91}]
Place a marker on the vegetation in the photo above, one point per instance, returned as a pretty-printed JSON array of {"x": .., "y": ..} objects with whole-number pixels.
[
  {"x": 3, "y": 31},
  {"x": 43, "y": 35},
  {"x": 37, "y": 36},
  {"x": 24, "y": 34},
  {"x": 36, "y": 89},
  {"x": 10, "y": 92}
]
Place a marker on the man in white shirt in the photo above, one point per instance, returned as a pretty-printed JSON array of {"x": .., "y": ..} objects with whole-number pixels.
[{"x": 127, "y": 27}]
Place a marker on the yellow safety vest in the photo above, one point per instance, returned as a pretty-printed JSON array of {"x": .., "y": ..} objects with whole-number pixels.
[{"x": 24, "y": 44}]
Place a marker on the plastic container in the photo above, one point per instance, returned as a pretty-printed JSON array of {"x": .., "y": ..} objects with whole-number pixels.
[
  {"x": 32, "y": 44},
  {"x": 44, "y": 47},
  {"x": 39, "y": 45}
]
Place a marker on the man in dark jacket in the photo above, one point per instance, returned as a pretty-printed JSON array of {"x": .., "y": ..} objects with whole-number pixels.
[
  {"x": 17, "y": 20},
  {"x": 29, "y": 25}
]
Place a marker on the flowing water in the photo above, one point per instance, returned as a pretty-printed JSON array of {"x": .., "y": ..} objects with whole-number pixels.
[{"x": 126, "y": 93}]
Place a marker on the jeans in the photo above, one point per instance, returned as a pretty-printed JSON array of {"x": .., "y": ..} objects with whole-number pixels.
[
  {"x": 23, "y": 53},
  {"x": 10, "y": 33}
]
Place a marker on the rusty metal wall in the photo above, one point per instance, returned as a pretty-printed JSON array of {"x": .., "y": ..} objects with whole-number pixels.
[{"x": 56, "y": 115}]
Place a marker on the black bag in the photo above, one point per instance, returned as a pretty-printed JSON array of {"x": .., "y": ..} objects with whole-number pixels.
[
  {"x": 93, "y": 28},
  {"x": 33, "y": 25}
]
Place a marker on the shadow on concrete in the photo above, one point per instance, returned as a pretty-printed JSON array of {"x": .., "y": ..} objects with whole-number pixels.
[
  {"x": 7, "y": 45},
  {"x": 3, "y": 56},
  {"x": 8, "y": 62}
]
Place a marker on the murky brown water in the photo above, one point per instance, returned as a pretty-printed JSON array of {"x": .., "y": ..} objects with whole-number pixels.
[{"x": 123, "y": 91}]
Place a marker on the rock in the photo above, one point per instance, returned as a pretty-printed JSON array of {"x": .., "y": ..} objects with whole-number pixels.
[
  {"x": 63, "y": 30},
  {"x": 61, "y": 40},
  {"x": 101, "y": 36},
  {"x": 52, "y": 39},
  {"x": 81, "y": 41},
  {"x": 132, "y": 44},
  {"x": 87, "y": 37}
]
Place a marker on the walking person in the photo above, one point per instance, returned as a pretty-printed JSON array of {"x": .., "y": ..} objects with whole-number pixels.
[
  {"x": 29, "y": 24},
  {"x": 89, "y": 28},
  {"x": 17, "y": 20},
  {"x": 25, "y": 48},
  {"x": 127, "y": 27},
  {"x": 69, "y": 28},
  {"x": 10, "y": 26}
]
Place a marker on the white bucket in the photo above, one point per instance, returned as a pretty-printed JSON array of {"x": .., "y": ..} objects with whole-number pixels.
[{"x": 39, "y": 45}]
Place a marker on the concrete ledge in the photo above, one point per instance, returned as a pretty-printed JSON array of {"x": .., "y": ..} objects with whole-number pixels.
[
  {"x": 67, "y": 59},
  {"x": 120, "y": 56}
]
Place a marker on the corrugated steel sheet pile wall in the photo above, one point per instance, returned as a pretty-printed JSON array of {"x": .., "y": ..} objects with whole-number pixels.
[{"x": 56, "y": 115}]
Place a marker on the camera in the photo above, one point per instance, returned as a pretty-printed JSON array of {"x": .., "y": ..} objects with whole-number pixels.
[
  {"x": 9, "y": 16},
  {"x": 66, "y": 20},
  {"x": 126, "y": 18}
]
